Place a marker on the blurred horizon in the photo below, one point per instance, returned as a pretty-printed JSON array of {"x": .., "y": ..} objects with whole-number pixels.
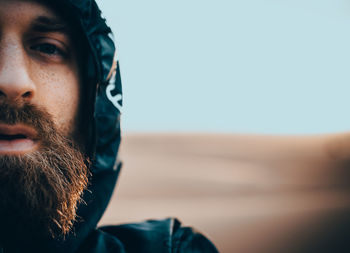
[
  {"x": 248, "y": 194},
  {"x": 265, "y": 67}
]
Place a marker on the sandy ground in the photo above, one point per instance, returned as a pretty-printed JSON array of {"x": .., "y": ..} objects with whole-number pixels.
[{"x": 246, "y": 193}]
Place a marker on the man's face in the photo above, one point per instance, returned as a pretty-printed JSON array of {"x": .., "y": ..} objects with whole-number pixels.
[
  {"x": 43, "y": 173},
  {"x": 38, "y": 65}
]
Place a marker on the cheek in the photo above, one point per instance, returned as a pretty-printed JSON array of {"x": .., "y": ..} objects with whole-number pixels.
[{"x": 58, "y": 93}]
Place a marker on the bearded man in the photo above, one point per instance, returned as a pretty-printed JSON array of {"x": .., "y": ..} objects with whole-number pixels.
[{"x": 60, "y": 100}]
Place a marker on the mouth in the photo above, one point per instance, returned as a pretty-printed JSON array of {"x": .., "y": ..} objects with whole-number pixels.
[{"x": 17, "y": 139}]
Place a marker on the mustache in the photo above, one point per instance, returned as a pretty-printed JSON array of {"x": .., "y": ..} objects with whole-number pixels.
[{"x": 30, "y": 115}]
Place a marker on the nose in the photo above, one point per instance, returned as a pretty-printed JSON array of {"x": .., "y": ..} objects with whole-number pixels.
[{"x": 15, "y": 82}]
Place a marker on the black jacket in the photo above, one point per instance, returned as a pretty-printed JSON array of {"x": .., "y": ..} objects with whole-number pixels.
[{"x": 103, "y": 91}]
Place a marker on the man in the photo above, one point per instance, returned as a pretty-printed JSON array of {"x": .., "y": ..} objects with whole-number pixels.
[{"x": 60, "y": 100}]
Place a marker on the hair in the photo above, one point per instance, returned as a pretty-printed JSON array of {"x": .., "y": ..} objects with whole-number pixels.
[{"x": 40, "y": 191}]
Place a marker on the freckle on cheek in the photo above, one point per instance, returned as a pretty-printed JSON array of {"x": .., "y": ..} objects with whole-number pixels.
[{"x": 59, "y": 92}]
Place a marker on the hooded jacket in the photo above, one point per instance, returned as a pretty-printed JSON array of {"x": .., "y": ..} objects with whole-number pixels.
[{"x": 104, "y": 94}]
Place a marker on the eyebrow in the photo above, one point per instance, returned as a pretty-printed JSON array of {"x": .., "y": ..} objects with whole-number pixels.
[{"x": 45, "y": 24}]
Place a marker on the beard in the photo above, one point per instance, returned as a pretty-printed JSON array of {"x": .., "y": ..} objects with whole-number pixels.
[{"x": 40, "y": 190}]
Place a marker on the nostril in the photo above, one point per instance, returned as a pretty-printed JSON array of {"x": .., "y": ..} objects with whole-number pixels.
[
  {"x": 2, "y": 94},
  {"x": 28, "y": 94}
]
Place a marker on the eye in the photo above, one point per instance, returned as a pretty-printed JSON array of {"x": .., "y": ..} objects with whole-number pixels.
[{"x": 47, "y": 48}]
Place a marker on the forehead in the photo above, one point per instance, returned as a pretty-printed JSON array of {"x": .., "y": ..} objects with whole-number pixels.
[{"x": 27, "y": 12}]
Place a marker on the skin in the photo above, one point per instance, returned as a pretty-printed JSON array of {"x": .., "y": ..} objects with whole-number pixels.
[{"x": 38, "y": 65}]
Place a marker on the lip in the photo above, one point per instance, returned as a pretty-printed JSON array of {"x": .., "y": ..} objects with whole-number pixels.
[{"x": 20, "y": 145}]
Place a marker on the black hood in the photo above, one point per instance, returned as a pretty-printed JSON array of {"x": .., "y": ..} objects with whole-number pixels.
[
  {"x": 102, "y": 88},
  {"x": 102, "y": 77}
]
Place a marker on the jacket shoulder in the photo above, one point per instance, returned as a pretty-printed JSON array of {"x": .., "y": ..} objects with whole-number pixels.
[
  {"x": 167, "y": 236},
  {"x": 188, "y": 240}
]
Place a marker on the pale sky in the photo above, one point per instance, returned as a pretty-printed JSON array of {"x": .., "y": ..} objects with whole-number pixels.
[{"x": 252, "y": 66}]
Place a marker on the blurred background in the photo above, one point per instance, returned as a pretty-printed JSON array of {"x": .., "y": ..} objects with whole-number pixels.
[
  {"x": 235, "y": 118},
  {"x": 263, "y": 66}
]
